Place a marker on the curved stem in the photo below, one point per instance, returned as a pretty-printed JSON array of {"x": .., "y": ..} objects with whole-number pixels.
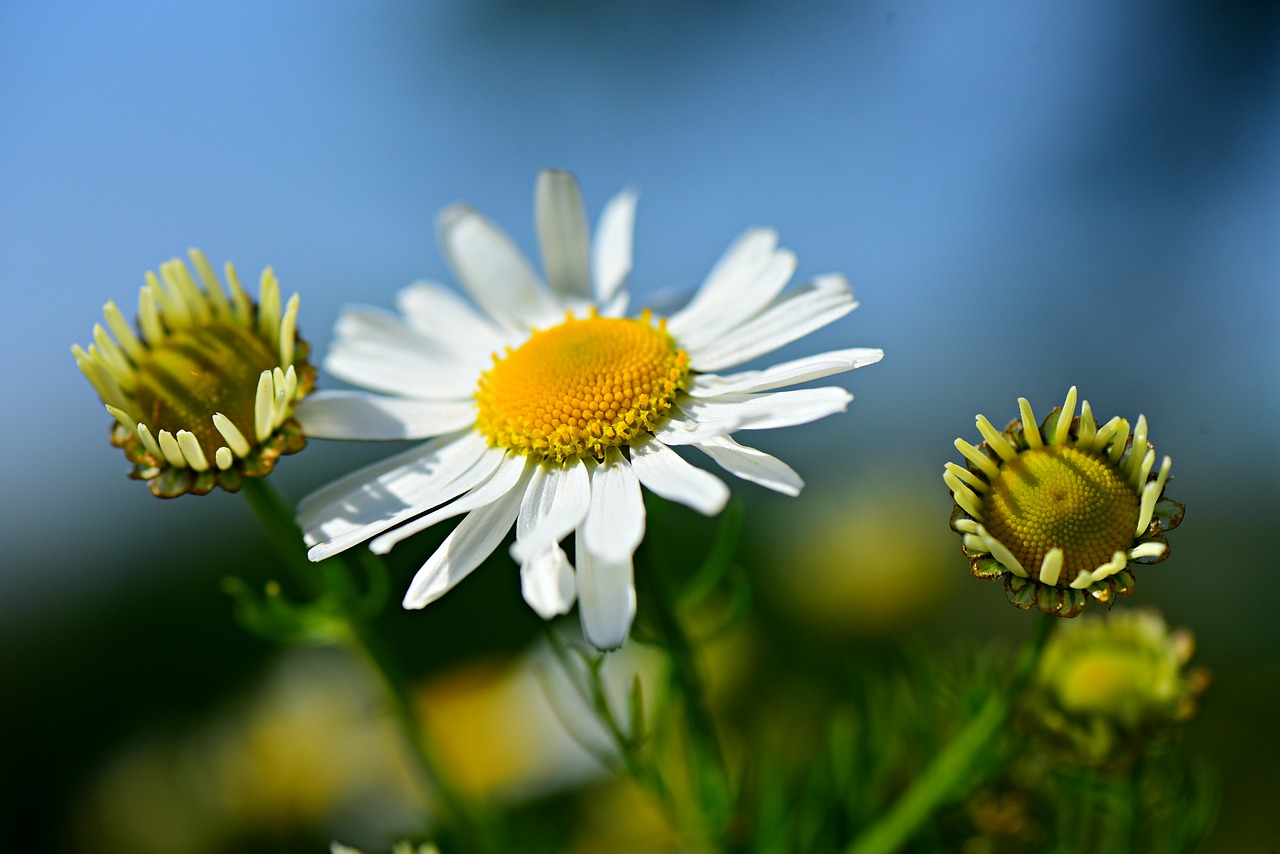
[
  {"x": 954, "y": 764},
  {"x": 707, "y": 767},
  {"x": 286, "y": 538},
  {"x": 686, "y": 672},
  {"x": 281, "y": 530},
  {"x": 383, "y": 664}
]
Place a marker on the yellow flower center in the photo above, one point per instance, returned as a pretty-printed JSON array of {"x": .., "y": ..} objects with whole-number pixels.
[
  {"x": 1058, "y": 496},
  {"x": 199, "y": 371},
  {"x": 581, "y": 387}
]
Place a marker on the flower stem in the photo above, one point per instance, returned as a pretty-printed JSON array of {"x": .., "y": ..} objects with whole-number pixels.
[
  {"x": 281, "y": 530},
  {"x": 286, "y": 538},
  {"x": 709, "y": 773},
  {"x": 955, "y": 763},
  {"x": 687, "y": 676}
]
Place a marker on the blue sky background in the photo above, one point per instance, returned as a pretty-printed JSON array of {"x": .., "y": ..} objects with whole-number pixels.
[{"x": 1025, "y": 196}]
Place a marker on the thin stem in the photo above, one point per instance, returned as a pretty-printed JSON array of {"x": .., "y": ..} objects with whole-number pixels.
[
  {"x": 286, "y": 538},
  {"x": 688, "y": 678},
  {"x": 705, "y": 754},
  {"x": 590, "y": 691},
  {"x": 383, "y": 664},
  {"x": 282, "y": 531},
  {"x": 955, "y": 763}
]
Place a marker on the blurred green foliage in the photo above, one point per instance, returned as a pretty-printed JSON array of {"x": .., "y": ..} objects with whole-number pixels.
[{"x": 825, "y": 716}]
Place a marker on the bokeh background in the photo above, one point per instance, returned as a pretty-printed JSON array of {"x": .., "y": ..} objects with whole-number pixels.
[{"x": 1025, "y": 197}]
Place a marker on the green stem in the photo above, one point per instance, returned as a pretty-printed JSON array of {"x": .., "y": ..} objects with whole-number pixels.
[
  {"x": 380, "y": 660},
  {"x": 956, "y": 762},
  {"x": 285, "y": 536},
  {"x": 282, "y": 531},
  {"x": 590, "y": 690},
  {"x": 688, "y": 678},
  {"x": 706, "y": 753}
]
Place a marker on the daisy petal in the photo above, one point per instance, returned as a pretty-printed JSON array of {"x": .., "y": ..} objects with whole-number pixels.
[
  {"x": 435, "y": 311},
  {"x": 554, "y": 504},
  {"x": 422, "y": 462},
  {"x": 785, "y": 374},
  {"x": 375, "y": 350},
  {"x": 366, "y": 364},
  {"x": 330, "y": 496},
  {"x": 611, "y": 261},
  {"x": 770, "y": 410},
  {"x": 748, "y": 298},
  {"x": 561, "y": 218},
  {"x": 494, "y": 271},
  {"x": 753, "y": 465},
  {"x": 606, "y": 598},
  {"x": 681, "y": 428},
  {"x": 356, "y": 415},
  {"x": 614, "y": 525},
  {"x": 665, "y": 473},
  {"x": 794, "y": 316},
  {"x": 471, "y": 542},
  {"x": 367, "y": 323},
  {"x": 733, "y": 276},
  {"x": 353, "y": 525},
  {"x": 513, "y": 473},
  {"x": 547, "y": 583}
]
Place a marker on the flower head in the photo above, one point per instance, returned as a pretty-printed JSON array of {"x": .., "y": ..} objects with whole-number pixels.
[
  {"x": 203, "y": 394},
  {"x": 550, "y": 407},
  {"x": 1101, "y": 681},
  {"x": 1062, "y": 509}
]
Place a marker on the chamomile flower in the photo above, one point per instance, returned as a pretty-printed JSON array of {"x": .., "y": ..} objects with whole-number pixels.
[
  {"x": 1107, "y": 685},
  {"x": 549, "y": 406},
  {"x": 1060, "y": 511},
  {"x": 1129, "y": 668},
  {"x": 203, "y": 391}
]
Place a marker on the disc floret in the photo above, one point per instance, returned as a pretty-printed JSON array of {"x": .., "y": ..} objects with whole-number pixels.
[
  {"x": 203, "y": 391},
  {"x": 581, "y": 387},
  {"x": 1061, "y": 510}
]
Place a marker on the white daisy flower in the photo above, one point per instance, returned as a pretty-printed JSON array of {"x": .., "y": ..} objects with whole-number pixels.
[{"x": 550, "y": 407}]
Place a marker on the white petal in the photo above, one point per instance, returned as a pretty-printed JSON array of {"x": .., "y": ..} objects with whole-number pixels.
[
  {"x": 343, "y": 533},
  {"x": 546, "y": 581},
  {"x": 372, "y": 477},
  {"x": 606, "y": 598},
  {"x": 437, "y": 312},
  {"x": 753, "y": 465},
  {"x": 616, "y": 307},
  {"x": 771, "y": 409},
  {"x": 796, "y": 314},
  {"x": 374, "y": 349},
  {"x": 375, "y": 509},
  {"x": 512, "y": 474},
  {"x": 362, "y": 322},
  {"x": 369, "y": 367},
  {"x": 357, "y": 415},
  {"x": 561, "y": 218},
  {"x": 683, "y": 428},
  {"x": 614, "y": 525},
  {"x": 749, "y": 296},
  {"x": 740, "y": 263},
  {"x": 554, "y": 504},
  {"x": 471, "y": 542},
  {"x": 611, "y": 261},
  {"x": 785, "y": 374},
  {"x": 494, "y": 272},
  {"x": 663, "y": 472}
]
